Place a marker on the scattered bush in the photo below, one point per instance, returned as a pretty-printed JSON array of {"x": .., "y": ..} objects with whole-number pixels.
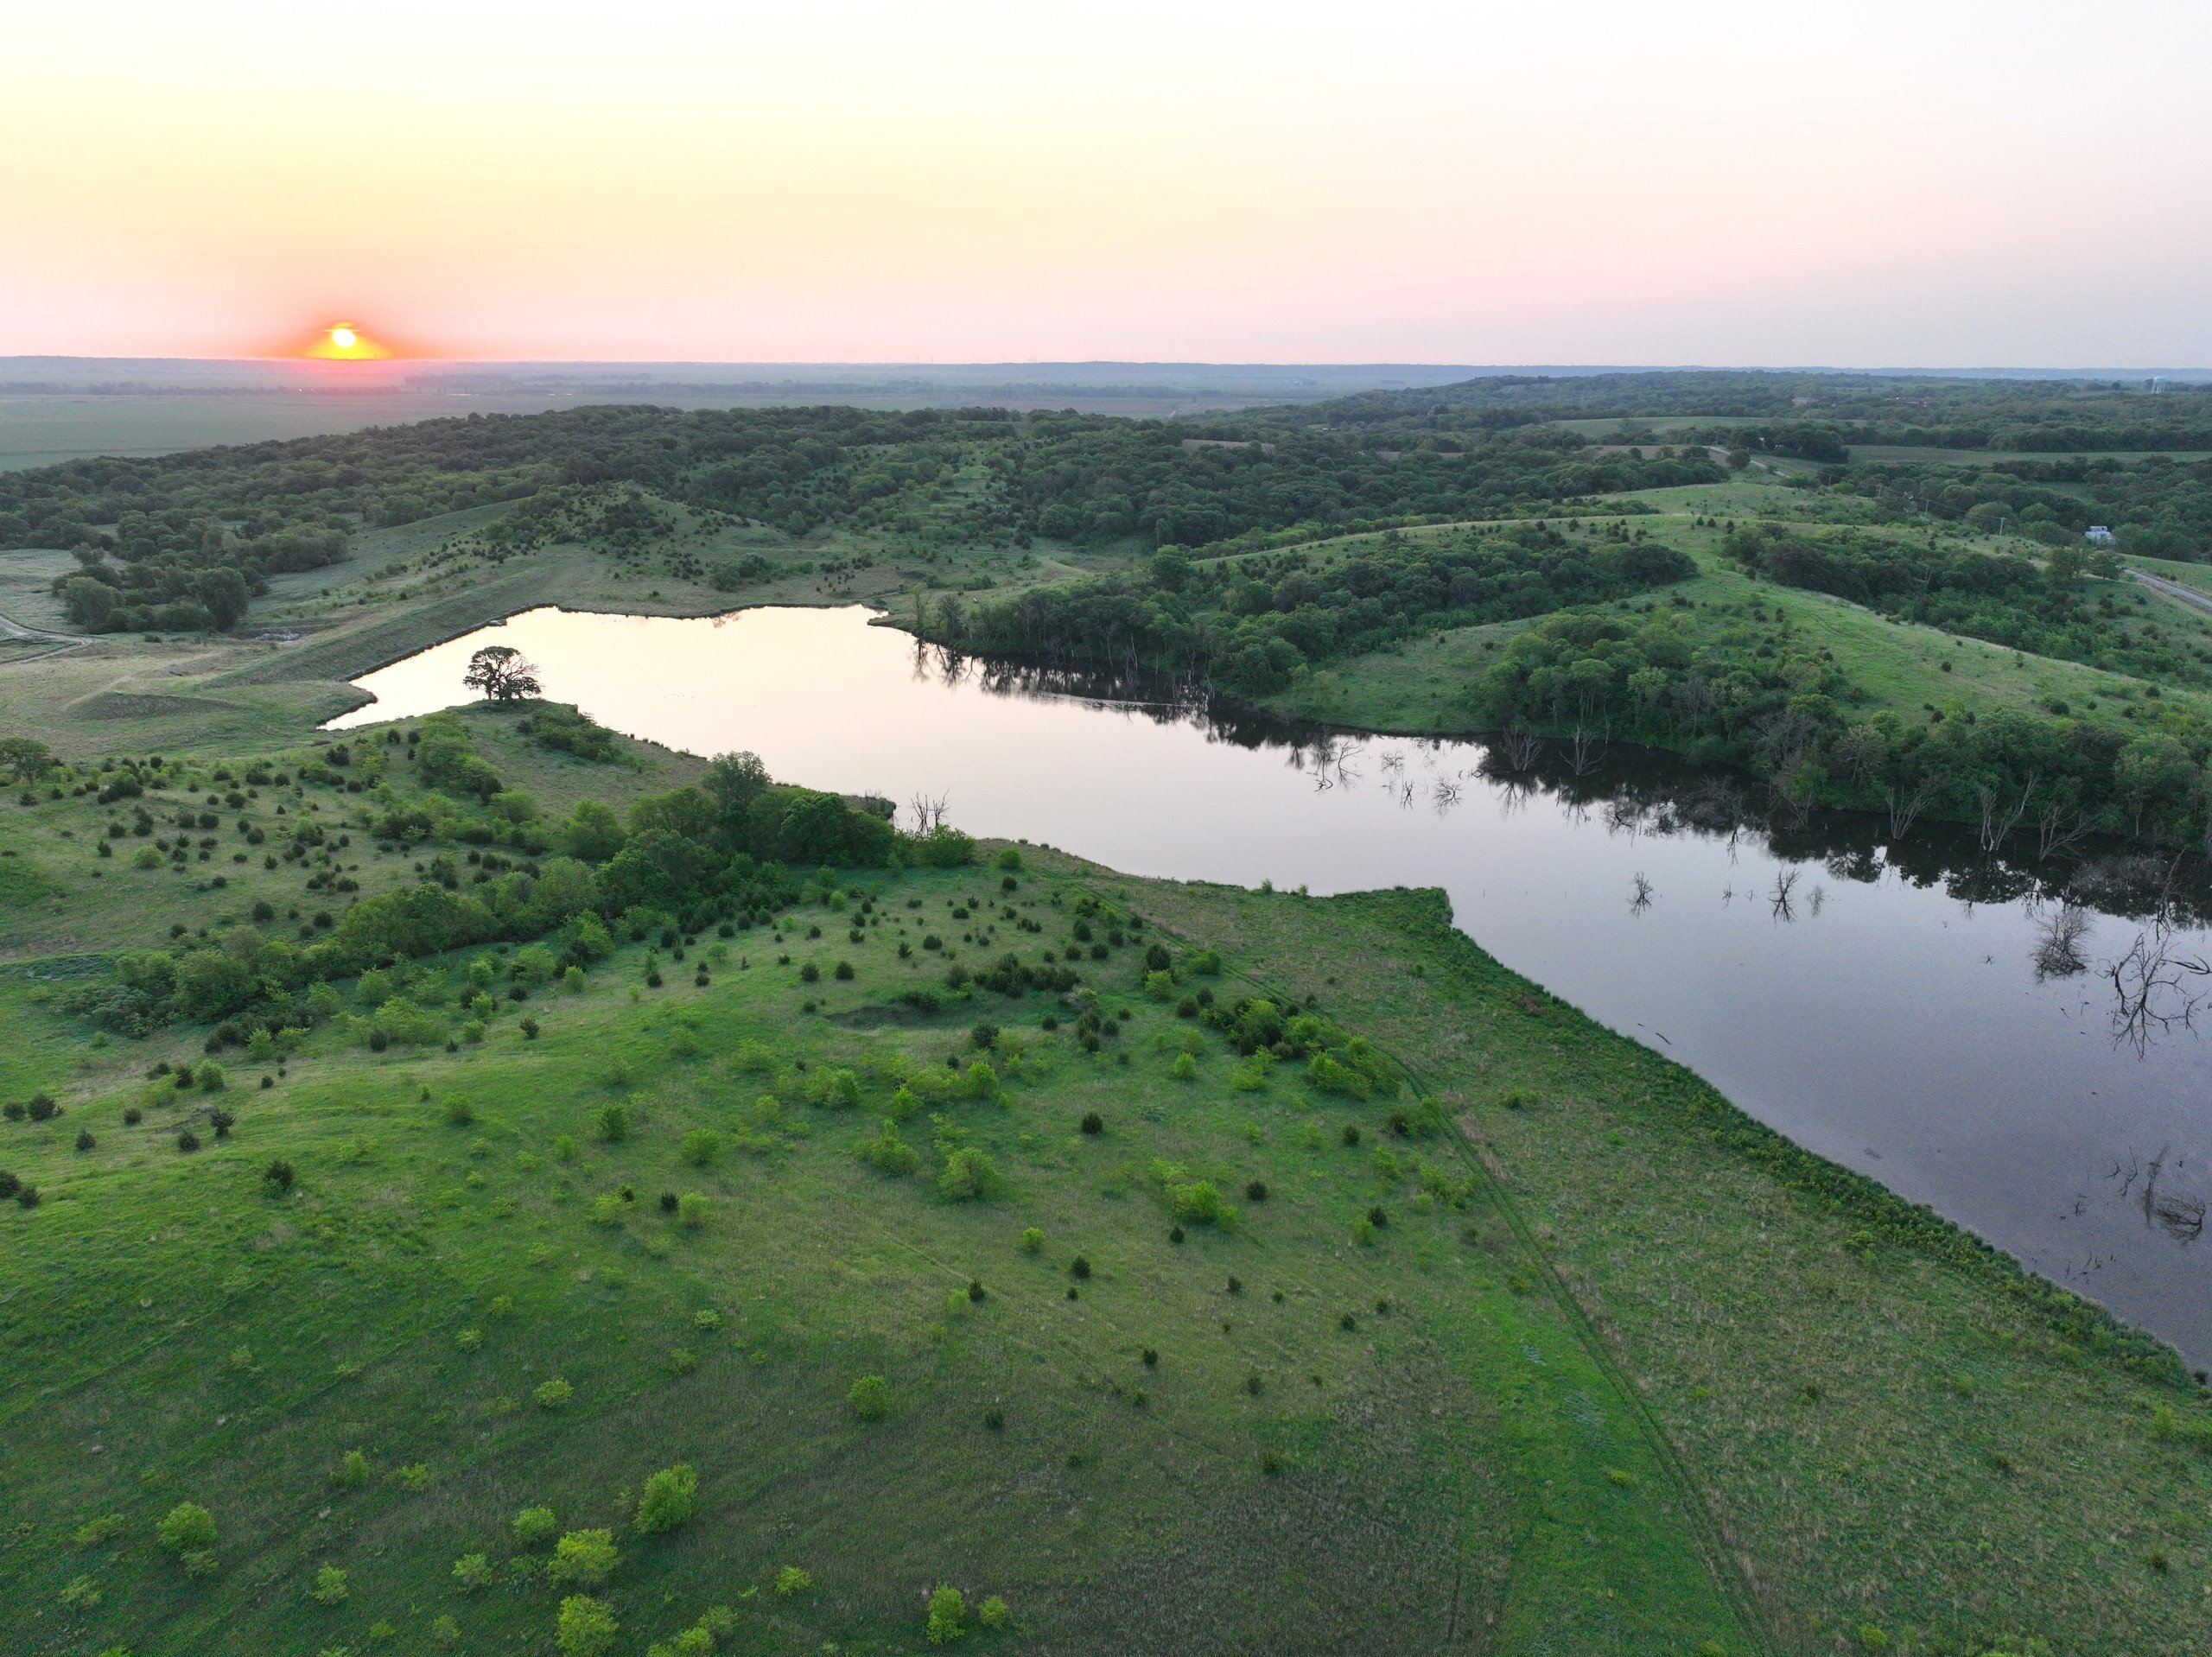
[
  {"x": 668, "y": 1499},
  {"x": 612, "y": 1123},
  {"x": 701, "y": 1146},
  {"x": 1032, "y": 1239},
  {"x": 587, "y": 1557},
  {"x": 869, "y": 1398},
  {"x": 970, "y": 1174},
  {"x": 535, "y": 1525},
  {"x": 792, "y": 1579},
  {"x": 993, "y": 1613},
  {"x": 1093, "y": 1123},
  {"x": 329, "y": 1586},
  {"x": 948, "y": 1615},
  {"x": 186, "y": 1528},
  {"x": 585, "y": 1628},
  {"x": 278, "y": 1177},
  {"x": 472, "y": 1570},
  {"x": 553, "y": 1395},
  {"x": 352, "y": 1470}
]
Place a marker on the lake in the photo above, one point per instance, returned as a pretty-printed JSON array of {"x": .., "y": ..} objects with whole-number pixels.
[{"x": 1927, "y": 1013}]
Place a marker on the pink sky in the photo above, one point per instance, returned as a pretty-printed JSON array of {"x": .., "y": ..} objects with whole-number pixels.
[{"x": 1938, "y": 183}]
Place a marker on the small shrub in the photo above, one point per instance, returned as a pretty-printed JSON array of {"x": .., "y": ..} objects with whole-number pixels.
[
  {"x": 993, "y": 1613},
  {"x": 472, "y": 1570},
  {"x": 587, "y": 1557},
  {"x": 668, "y": 1499},
  {"x": 93, "y": 1532},
  {"x": 352, "y": 1470},
  {"x": 84, "y": 1140},
  {"x": 1032, "y": 1239},
  {"x": 948, "y": 1615},
  {"x": 1352, "y": 1133},
  {"x": 1185, "y": 1068},
  {"x": 79, "y": 1594},
  {"x": 793, "y": 1579},
  {"x": 869, "y": 1398},
  {"x": 553, "y": 1395},
  {"x": 210, "y": 1077},
  {"x": 460, "y": 1113},
  {"x": 1079, "y": 1268},
  {"x": 535, "y": 1525},
  {"x": 692, "y": 1208},
  {"x": 1093, "y": 1123},
  {"x": 970, "y": 1174},
  {"x": 612, "y": 1123},
  {"x": 701, "y": 1146},
  {"x": 585, "y": 1628},
  {"x": 186, "y": 1528},
  {"x": 329, "y": 1586},
  {"x": 186, "y": 1141},
  {"x": 278, "y": 1177}
]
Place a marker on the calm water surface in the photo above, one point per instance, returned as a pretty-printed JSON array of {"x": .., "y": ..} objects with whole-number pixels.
[{"x": 1881, "y": 1007}]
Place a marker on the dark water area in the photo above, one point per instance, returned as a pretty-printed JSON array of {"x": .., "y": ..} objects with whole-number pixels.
[{"x": 2016, "y": 1042}]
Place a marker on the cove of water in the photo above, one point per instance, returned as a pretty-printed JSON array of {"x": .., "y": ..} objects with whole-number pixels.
[{"x": 1881, "y": 1005}]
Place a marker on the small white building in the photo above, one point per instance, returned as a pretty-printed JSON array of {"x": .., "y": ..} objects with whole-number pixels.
[{"x": 2097, "y": 534}]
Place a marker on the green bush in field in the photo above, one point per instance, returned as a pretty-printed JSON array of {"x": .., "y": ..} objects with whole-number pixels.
[
  {"x": 535, "y": 1526},
  {"x": 472, "y": 1570},
  {"x": 701, "y": 1146},
  {"x": 993, "y": 1613},
  {"x": 585, "y": 1628},
  {"x": 793, "y": 1579},
  {"x": 969, "y": 1175},
  {"x": 948, "y": 1615},
  {"x": 692, "y": 1208},
  {"x": 889, "y": 1154},
  {"x": 869, "y": 1398},
  {"x": 668, "y": 1499},
  {"x": 352, "y": 1470},
  {"x": 587, "y": 1557},
  {"x": 553, "y": 1395},
  {"x": 186, "y": 1528},
  {"x": 612, "y": 1123},
  {"x": 329, "y": 1586}
]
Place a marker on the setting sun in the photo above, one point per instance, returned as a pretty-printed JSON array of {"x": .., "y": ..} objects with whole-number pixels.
[{"x": 343, "y": 342}]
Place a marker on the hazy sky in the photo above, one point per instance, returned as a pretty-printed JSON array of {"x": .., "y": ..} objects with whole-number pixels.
[{"x": 1943, "y": 182}]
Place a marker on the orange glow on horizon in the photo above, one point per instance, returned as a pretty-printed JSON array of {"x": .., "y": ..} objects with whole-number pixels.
[{"x": 343, "y": 342}]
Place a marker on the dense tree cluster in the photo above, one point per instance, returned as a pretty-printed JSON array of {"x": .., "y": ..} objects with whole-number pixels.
[
  {"x": 1251, "y": 625},
  {"x": 1753, "y": 694}
]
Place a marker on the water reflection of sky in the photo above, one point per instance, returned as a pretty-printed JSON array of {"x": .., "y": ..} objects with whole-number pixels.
[{"x": 1885, "y": 1012}]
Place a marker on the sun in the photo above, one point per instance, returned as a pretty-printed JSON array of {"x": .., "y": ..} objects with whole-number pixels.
[{"x": 343, "y": 342}]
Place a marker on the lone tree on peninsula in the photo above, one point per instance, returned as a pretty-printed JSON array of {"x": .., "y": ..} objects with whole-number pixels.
[{"x": 503, "y": 673}]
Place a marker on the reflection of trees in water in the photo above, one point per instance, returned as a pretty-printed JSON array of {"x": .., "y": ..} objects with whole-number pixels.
[
  {"x": 2160, "y": 983},
  {"x": 2179, "y": 1215}
]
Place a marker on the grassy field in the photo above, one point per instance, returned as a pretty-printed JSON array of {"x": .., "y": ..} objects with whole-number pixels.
[{"x": 1579, "y": 1359}]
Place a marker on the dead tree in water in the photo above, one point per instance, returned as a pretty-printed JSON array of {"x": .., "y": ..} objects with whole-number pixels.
[
  {"x": 1582, "y": 750},
  {"x": 1906, "y": 804},
  {"x": 1778, "y": 900},
  {"x": 2001, "y": 815},
  {"x": 1644, "y": 892},
  {"x": 1515, "y": 749},
  {"x": 2057, "y": 828}
]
